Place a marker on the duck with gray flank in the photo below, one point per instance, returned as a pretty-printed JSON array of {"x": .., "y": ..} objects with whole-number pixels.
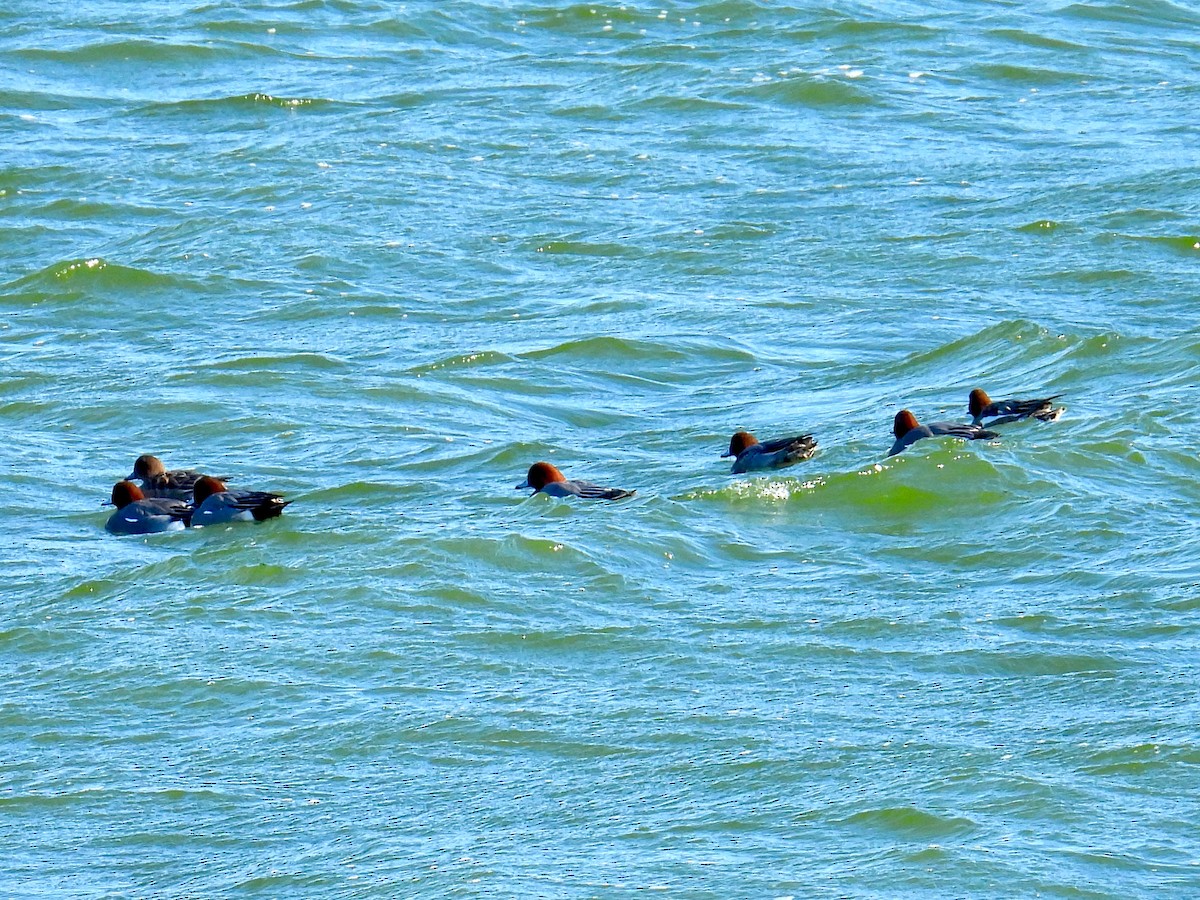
[
  {"x": 752, "y": 455},
  {"x": 547, "y": 479},
  {"x": 216, "y": 504},
  {"x": 981, "y": 407},
  {"x": 908, "y": 431},
  {"x": 139, "y": 514}
]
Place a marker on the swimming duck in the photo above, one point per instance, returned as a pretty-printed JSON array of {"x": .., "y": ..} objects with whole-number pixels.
[
  {"x": 983, "y": 407},
  {"x": 158, "y": 482},
  {"x": 753, "y": 455},
  {"x": 908, "y": 431},
  {"x": 138, "y": 514},
  {"x": 216, "y": 504},
  {"x": 545, "y": 478}
]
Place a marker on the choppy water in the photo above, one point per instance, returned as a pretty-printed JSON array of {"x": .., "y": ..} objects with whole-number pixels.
[{"x": 382, "y": 257}]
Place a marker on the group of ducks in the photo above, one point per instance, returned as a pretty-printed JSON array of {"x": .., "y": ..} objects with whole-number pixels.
[
  {"x": 184, "y": 498},
  {"x": 752, "y": 455},
  {"x": 174, "y": 500}
]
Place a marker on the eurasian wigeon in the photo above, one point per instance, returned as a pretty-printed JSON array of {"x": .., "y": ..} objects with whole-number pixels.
[
  {"x": 908, "y": 431},
  {"x": 137, "y": 514},
  {"x": 158, "y": 482},
  {"x": 753, "y": 455},
  {"x": 216, "y": 504},
  {"x": 546, "y": 479},
  {"x": 983, "y": 407}
]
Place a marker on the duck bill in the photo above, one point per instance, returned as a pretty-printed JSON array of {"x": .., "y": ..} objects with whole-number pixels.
[{"x": 523, "y": 485}]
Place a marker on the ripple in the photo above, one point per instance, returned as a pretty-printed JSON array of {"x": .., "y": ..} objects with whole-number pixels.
[
  {"x": 811, "y": 91},
  {"x": 241, "y": 103},
  {"x": 94, "y": 272},
  {"x": 1024, "y": 75},
  {"x": 124, "y": 51},
  {"x": 910, "y": 823}
]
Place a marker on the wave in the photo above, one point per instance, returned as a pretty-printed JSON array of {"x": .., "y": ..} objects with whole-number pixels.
[
  {"x": 552, "y": 246},
  {"x": 276, "y": 363},
  {"x": 92, "y": 273},
  {"x": 1011, "y": 73},
  {"x": 462, "y": 361},
  {"x": 1040, "y": 41},
  {"x": 1141, "y": 12},
  {"x": 256, "y": 100},
  {"x": 609, "y": 348},
  {"x": 921, "y": 483},
  {"x": 812, "y": 91},
  {"x": 134, "y": 50},
  {"x": 911, "y": 823}
]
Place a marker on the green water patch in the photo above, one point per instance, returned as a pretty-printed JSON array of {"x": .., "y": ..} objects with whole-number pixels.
[
  {"x": 1099, "y": 277},
  {"x": 743, "y": 231},
  {"x": 1096, "y": 347},
  {"x": 611, "y": 349},
  {"x": 1040, "y": 41},
  {"x": 67, "y": 209},
  {"x": 44, "y": 639},
  {"x": 285, "y": 362},
  {"x": 1007, "y": 358},
  {"x": 1181, "y": 245},
  {"x": 261, "y": 574},
  {"x": 1041, "y": 226},
  {"x": 690, "y": 106},
  {"x": 1009, "y": 73},
  {"x": 934, "y": 484},
  {"x": 909, "y": 823},
  {"x": 394, "y": 28},
  {"x": 48, "y": 101},
  {"x": 1032, "y": 623},
  {"x": 1043, "y": 662},
  {"x": 582, "y": 18},
  {"x": 126, "y": 52},
  {"x": 256, "y": 101},
  {"x": 258, "y": 370},
  {"x": 1150, "y": 14},
  {"x": 520, "y": 553},
  {"x": 589, "y": 112},
  {"x": 812, "y": 91},
  {"x": 355, "y": 494},
  {"x": 876, "y": 31},
  {"x": 556, "y": 246},
  {"x": 23, "y": 187},
  {"x": 74, "y": 277},
  {"x": 462, "y": 361},
  {"x": 1139, "y": 759}
]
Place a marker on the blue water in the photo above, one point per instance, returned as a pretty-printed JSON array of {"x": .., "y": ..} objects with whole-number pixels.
[{"x": 382, "y": 257}]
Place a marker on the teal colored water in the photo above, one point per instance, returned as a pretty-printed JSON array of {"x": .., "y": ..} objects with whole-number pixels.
[{"x": 381, "y": 257}]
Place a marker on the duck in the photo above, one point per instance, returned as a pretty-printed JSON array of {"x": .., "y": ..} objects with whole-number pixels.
[
  {"x": 177, "y": 484},
  {"x": 138, "y": 514},
  {"x": 908, "y": 431},
  {"x": 753, "y": 455},
  {"x": 547, "y": 479},
  {"x": 981, "y": 407},
  {"x": 215, "y": 504}
]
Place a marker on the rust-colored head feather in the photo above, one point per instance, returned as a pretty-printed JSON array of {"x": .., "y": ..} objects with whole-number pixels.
[
  {"x": 739, "y": 442},
  {"x": 978, "y": 402},
  {"x": 206, "y": 486},
  {"x": 542, "y": 474},
  {"x": 905, "y": 422},
  {"x": 126, "y": 492}
]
